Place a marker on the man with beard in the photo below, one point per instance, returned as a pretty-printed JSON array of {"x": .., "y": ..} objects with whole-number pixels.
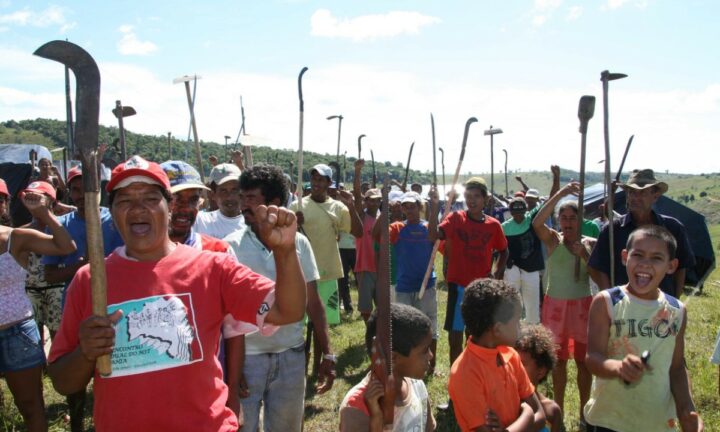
[
  {"x": 186, "y": 187},
  {"x": 226, "y": 195},
  {"x": 273, "y": 367},
  {"x": 62, "y": 269}
]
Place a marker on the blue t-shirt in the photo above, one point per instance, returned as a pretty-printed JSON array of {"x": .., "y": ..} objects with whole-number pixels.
[
  {"x": 75, "y": 226},
  {"x": 412, "y": 250}
]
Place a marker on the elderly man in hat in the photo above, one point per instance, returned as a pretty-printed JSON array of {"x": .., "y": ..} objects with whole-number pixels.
[
  {"x": 642, "y": 191},
  {"x": 166, "y": 303}
]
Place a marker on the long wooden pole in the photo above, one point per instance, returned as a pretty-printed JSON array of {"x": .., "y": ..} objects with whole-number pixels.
[{"x": 448, "y": 205}]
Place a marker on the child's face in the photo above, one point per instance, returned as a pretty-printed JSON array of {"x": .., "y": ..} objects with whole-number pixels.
[
  {"x": 416, "y": 364},
  {"x": 535, "y": 373},
  {"x": 507, "y": 333},
  {"x": 647, "y": 263}
]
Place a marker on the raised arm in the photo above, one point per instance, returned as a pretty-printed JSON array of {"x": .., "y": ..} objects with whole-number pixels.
[
  {"x": 555, "y": 170},
  {"x": 545, "y": 234},
  {"x": 522, "y": 183},
  {"x": 356, "y": 225},
  {"x": 277, "y": 228},
  {"x": 357, "y": 180},
  {"x": 58, "y": 242}
]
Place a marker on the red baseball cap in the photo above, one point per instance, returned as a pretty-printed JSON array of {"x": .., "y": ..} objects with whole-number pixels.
[
  {"x": 40, "y": 187},
  {"x": 4, "y": 188},
  {"x": 74, "y": 172},
  {"x": 136, "y": 169}
]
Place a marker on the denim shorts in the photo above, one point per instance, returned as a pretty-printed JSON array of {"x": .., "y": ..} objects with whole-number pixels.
[{"x": 20, "y": 347}]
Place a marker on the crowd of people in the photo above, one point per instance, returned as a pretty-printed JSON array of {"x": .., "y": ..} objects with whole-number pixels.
[{"x": 220, "y": 296}]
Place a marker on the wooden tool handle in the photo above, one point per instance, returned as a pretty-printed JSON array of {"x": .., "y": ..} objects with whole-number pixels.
[{"x": 98, "y": 281}]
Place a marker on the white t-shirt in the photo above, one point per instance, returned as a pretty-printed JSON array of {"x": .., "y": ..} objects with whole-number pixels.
[
  {"x": 252, "y": 253},
  {"x": 217, "y": 225}
]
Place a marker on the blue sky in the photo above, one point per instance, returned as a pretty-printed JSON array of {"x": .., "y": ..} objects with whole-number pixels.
[{"x": 385, "y": 65}]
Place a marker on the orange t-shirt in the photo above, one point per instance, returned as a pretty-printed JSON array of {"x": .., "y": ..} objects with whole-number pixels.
[{"x": 484, "y": 378}]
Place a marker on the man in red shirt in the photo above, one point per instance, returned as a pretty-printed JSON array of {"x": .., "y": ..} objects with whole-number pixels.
[
  {"x": 166, "y": 302},
  {"x": 471, "y": 237}
]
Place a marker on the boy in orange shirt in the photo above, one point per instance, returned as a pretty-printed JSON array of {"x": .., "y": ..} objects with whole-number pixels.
[{"x": 488, "y": 384}]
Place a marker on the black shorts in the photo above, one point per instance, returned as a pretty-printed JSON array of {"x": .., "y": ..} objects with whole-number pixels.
[{"x": 453, "y": 314}]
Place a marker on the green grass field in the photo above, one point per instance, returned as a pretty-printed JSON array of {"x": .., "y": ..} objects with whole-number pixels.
[{"x": 321, "y": 413}]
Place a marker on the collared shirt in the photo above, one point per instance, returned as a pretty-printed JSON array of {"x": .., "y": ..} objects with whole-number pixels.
[
  {"x": 251, "y": 252},
  {"x": 622, "y": 228},
  {"x": 488, "y": 378}
]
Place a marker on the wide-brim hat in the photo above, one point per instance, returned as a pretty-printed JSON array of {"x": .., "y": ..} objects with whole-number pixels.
[{"x": 643, "y": 179}]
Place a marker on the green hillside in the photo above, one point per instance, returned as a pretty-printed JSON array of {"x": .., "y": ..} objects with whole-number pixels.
[{"x": 699, "y": 192}]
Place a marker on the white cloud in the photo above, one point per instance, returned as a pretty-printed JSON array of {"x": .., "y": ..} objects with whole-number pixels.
[
  {"x": 617, "y": 4},
  {"x": 574, "y": 13},
  {"x": 129, "y": 44},
  {"x": 539, "y": 20},
  {"x": 51, "y": 16},
  {"x": 543, "y": 10},
  {"x": 369, "y": 27},
  {"x": 547, "y": 4}
]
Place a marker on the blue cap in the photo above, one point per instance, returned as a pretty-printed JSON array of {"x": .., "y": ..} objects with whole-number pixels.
[{"x": 182, "y": 176}]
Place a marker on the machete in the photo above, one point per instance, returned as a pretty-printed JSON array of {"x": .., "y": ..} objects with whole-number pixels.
[
  {"x": 87, "y": 105},
  {"x": 407, "y": 167},
  {"x": 448, "y": 204},
  {"x": 381, "y": 358}
]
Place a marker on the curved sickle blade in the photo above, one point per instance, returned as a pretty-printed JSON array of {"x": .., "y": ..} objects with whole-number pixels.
[
  {"x": 302, "y": 102},
  {"x": 87, "y": 97},
  {"x": 87, "y": 104},
  {"x": 360, "y": 145},
  {"x": 432, "y": 126},
  {"x": 448, "y": 205},
  {"x": 300, "y": 138},
  {"x": 407, "y": 166}
]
